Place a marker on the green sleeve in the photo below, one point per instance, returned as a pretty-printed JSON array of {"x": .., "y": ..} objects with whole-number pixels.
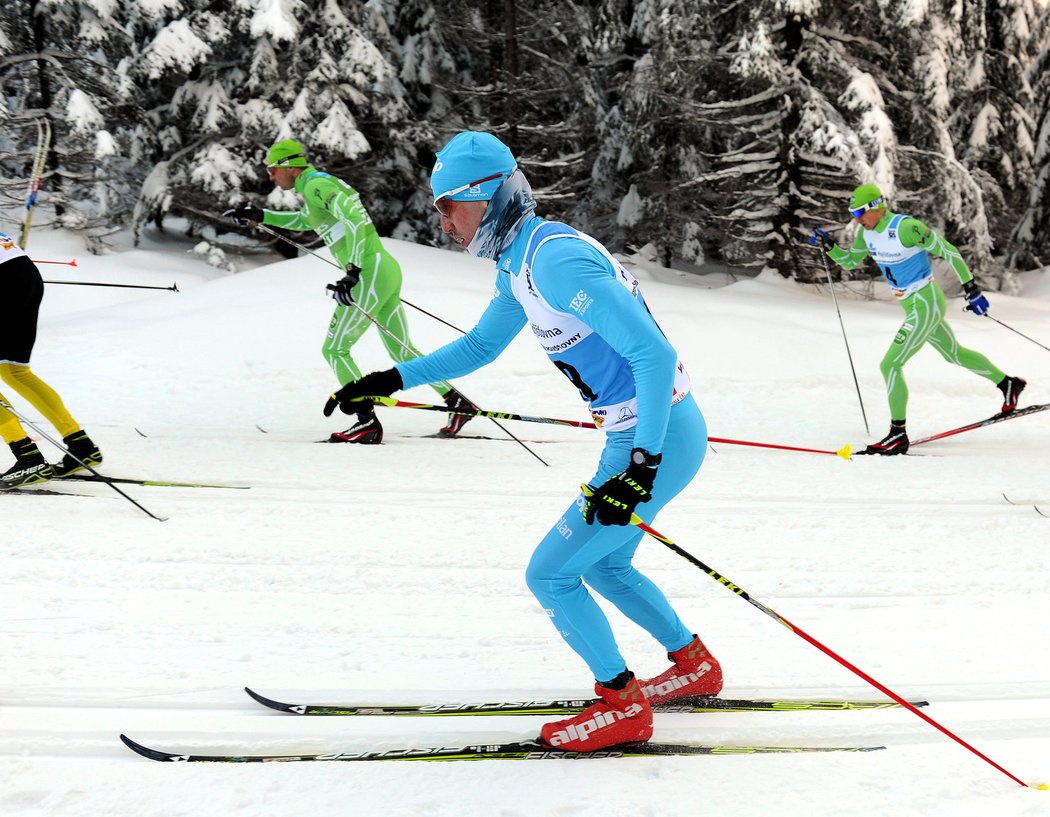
[
  {"x": 913, "y": 233},
  {"x": 295, "y": 221},
  {"x": 848, "y": 259}
]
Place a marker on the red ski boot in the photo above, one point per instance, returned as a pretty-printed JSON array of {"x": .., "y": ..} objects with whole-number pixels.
[
  {"x": 695, "y": 672},
  {"x": 619, "y": 716}
]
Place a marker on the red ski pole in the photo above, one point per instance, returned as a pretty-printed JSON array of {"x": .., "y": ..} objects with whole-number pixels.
[
  {"x": 843, "y": 452},
  {"x": 392, "y": 402},
  {"x": 72, "y": 263},
  {"x": 718, "y": 577}
]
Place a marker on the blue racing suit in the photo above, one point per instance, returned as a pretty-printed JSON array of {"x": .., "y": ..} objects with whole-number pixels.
[{"x": 589, "y": 315}]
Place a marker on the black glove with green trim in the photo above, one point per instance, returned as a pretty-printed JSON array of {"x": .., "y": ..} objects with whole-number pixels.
[
  {"x": 375, "y": 384},
  {"x": 614, "y": 502}
]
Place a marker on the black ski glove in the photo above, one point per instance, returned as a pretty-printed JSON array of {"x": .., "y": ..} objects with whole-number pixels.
[
  {"x": 341, "y": 289},
  {"x": 614, "y": 502},
  {"x": 245, "y": 215},
  {"x": 374, "y": 384}
]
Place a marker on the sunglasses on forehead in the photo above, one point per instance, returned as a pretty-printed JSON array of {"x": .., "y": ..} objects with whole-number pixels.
[
  {"x": 440, "y": 201},
  {"x": 874, "y": 204}
]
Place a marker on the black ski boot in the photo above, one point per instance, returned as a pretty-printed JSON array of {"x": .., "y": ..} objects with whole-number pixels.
[
  {"x": 896, "y": 442},
  {"x": 82, "y": 448},
  {"x": 30, "y": 466},
  {"x": 1011, "y": 387},
  {"x": 455, "y": 400},
  {"x": 366, "y": 431}
]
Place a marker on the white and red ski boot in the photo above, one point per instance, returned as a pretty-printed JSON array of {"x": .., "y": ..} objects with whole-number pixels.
[
  {"x": 619, "y": 716},
  {"x": 695, "y": 672}
]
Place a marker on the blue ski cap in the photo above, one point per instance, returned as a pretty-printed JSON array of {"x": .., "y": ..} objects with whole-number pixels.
[{"x": 471, "y": 167}]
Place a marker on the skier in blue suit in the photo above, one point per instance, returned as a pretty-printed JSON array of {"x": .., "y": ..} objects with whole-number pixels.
[{"x": 588, "y": 313}]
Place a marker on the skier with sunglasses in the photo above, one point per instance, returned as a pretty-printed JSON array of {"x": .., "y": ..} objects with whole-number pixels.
[
  {"x": 901, "y": 246},
  {"x": 588, "y": 313},
  {"x": 370, "y": 287}
]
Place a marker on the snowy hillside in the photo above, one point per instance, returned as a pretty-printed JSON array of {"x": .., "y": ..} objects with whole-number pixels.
[{"x": 394, "y": 573}]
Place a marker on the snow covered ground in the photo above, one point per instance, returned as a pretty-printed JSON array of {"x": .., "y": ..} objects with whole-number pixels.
[{"x": 394, "y": 574}]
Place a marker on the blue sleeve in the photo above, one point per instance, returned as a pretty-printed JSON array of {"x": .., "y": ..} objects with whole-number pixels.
[
  {"x": 497, "y": 327},
  {"x": 565, "y": 269}
]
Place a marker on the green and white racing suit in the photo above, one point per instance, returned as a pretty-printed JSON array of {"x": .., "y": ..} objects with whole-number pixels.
[
  {"x": 333, "y": 210},
  {"x": 902, "y": 246}
]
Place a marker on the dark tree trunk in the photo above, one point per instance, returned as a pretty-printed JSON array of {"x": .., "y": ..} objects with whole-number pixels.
[
  {"x": 39, "y": 17},
  {"x": 510, "y": 68},
  {"x": 786, "y": 223}
]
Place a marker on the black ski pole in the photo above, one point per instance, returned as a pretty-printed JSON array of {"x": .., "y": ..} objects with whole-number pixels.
[
  {"x": 1022, "y": 334},
  {"x": 173, "y": 288},
  {"x": 265, "y": 228},
  {"x": 390, "y": 334},
  {"x": 831, "y": 284},
  {"x": 291, "y": 241},
  {"x": 65, "y": 450}
]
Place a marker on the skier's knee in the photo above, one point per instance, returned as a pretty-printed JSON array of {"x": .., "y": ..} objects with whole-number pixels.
[
  {"x": 889, "y": 366},
  {"x": 609, "y": 579},
  {"x": 12, "y": 373},
  {"x": 546, "y": 584}
]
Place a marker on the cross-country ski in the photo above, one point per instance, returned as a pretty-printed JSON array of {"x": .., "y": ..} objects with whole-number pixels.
[
  {"x": 37, "y": 491},
  {"x": 570, "y": 706},
  {"x": 520, "y": 750},
  {"x": 152, "y": 483},
  {"x": 995, "y": 418}
]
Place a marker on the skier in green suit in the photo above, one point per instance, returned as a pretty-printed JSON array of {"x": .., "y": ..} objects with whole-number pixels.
[
  {"x": 901, "y": 246},
  {"x": 371, "y": 286}
]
